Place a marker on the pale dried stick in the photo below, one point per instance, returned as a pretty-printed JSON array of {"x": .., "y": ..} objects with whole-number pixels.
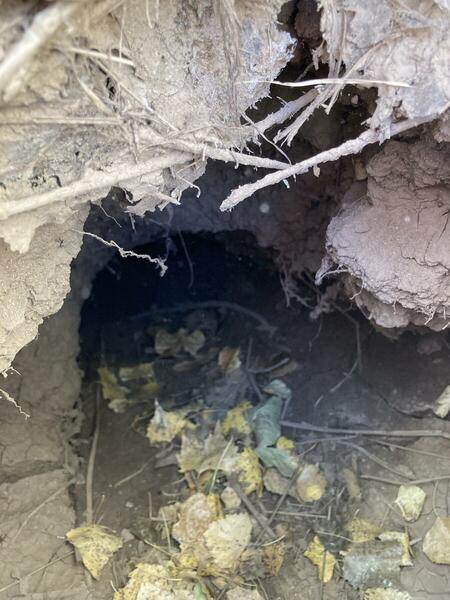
[
  {"x": 43, "y": 27},
  {"x": 91, "y": 463},
  {"x": 352, "y": 146},
  {"x": 413, "y": 482},
  {"x": 91, "y": 183},
  {"x": 372, "y": 432}
]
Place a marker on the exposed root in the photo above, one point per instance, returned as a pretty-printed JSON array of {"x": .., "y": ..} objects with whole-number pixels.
[
  {"x": 43, "y": 27},
  {"x": 353, "y": 146},
  {"x": 128, "y": 253},
  {"x": 91, "y": 183},
  {"x": 9, "y": 398}
]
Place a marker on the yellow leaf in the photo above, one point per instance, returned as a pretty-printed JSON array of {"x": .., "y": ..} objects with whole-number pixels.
[
  {"x": 171, "y": 344},
  {"x": 143, "y": 370},
  {"x": 410, "y": 500},
  {"x": 311, "y": 484},
  {"x": 284, "y": 443},
  {"x": 436, "y": 543},
  {"x": 362, "y": 530},
  {"x": 229, "y": 359},
  {"x": 166, "y": 425},
  {"x": 236, "y": 420},
  {"x": 321, "y": 558},
  {"x": 227, "y": 538},
  {"x": 273, "y": 557},
  {"x": 111, "y": 388},
  {"x": 96, "y": 546},
  {"x": 154, "y": 582},
  {"x": 215, "y": 506},
  {"x": 214, "y": 453},
  {"x": 250, "y": 474}
]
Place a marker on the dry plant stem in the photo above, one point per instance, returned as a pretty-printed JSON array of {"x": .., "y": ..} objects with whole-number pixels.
[
  {"x": 353, "y": 146},
  {"x": 282, "y": 498},
  {"x": 261, "y": 519},
  {"x": 44, "y": 26},
  {"x": 91, "y": 463},
  {"x": 374, "y": 458},
  {"x": 91, "y": 183},
  {"x": 413, "y": 482},
  {"x": 412, "y": 450},
  {"x": 409, "y": 433},
  {"x": 132, "y": 475}
]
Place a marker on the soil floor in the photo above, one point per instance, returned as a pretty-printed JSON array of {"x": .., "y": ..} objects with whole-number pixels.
[{"x": 393, "y": 389}]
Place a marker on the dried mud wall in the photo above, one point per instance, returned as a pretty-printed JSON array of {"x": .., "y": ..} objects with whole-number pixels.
[
  {"x": 91, "y": 95},
  {"x": 140, "y": 95}
]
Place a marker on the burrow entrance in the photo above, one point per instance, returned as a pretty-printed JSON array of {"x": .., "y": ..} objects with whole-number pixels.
[{"x": 343, "y": 377}]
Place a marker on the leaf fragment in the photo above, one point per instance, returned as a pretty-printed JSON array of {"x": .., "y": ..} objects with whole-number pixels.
[
  {"x": 143, "y": 370},
  {"x": 112, "y": 391},
  {"x": 403, "y": 538},
  {"x": 441, "y": 407},
  {"x": 362, "y": 530},
  {"x": 214, "y": 453},
  {"x": 436, "y": 543},
  {"x": 229, "y": 359},
  {"x": 227, "y": 538},
  {"x": 410, "y": 500},
  {"x": 311, "y": 484},
  {"x": 273, "y": 557},
  {"x": 250, "y": 474},
  {"x": 153, "y": 582},
  {"x": 171, "y": 344},
  {"x": 236, "y": 420},
  {"x": 321, "y": 558},
  {"x": 96, "y": 545},
  {"x": 166, "y": 425}
]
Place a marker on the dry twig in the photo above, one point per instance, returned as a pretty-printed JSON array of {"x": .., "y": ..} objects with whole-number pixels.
[{"x": 410, "y": 433}]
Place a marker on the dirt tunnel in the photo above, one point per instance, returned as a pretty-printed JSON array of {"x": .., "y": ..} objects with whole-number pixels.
[
  {"x": 231, "y": 294},
  {"x": 224, "y": 299}
]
